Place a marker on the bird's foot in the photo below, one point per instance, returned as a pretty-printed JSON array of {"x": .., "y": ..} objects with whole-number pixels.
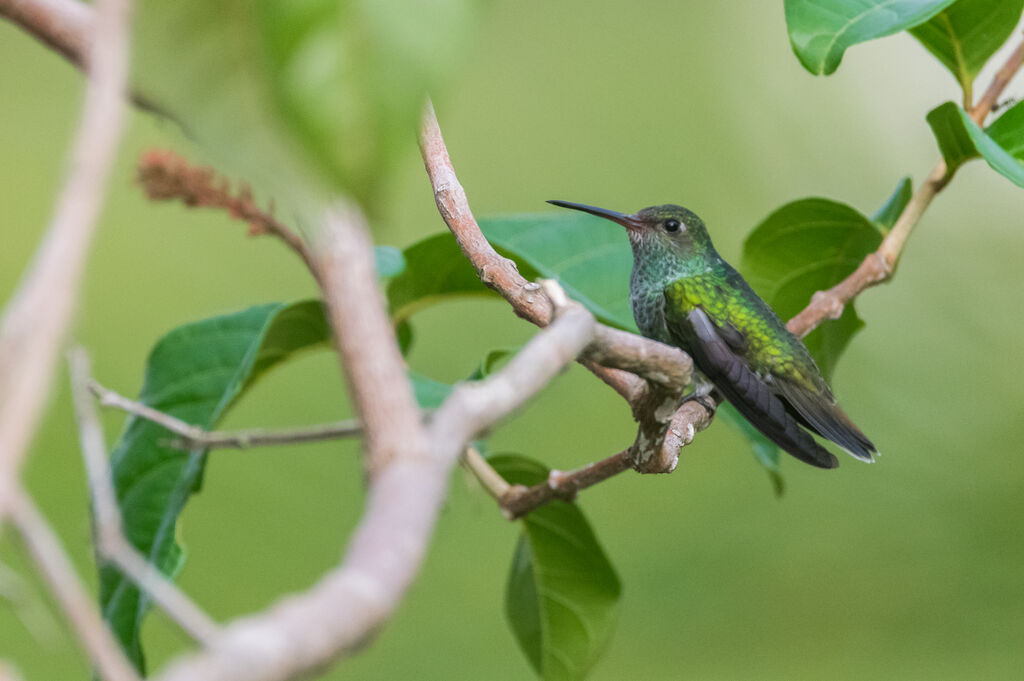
[{"x": 706, "y": 400}]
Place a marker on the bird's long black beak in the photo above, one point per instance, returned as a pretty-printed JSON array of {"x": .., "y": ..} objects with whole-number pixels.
[{"x": 627, "y": 221}]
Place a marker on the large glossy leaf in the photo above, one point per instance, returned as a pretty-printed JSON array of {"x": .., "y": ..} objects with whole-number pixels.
[
  {"x": 820, "y": 31},
  {"x": 960, "y": 139},
  {"x": 804, "y": 247},
  {"x": 589, "y": 256},
  {"x": 964, "y": 35},
  {"x": 435, "y": 269},
  {"x": 765, "y": 452},
  {"x": 194, "y": 373},
  {"x": 289, "y": 93},
  {"x": 562, "y": 593}
]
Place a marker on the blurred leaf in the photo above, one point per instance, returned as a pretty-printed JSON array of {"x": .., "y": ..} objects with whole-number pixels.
[
  {"x": 892, "y": 208},
  {"x": 589, "y": 256},
  {"x": 429, "y": 393},
  {"x": 964, "y": 35},
  {"x": 764, "y": 450},
  {"x": 960, "y": 139},
  {"x": 435, "y": 269},
  {"x": 821, "y": 30},
  {"x": 490, "y": 362},
  {"x": 195, "y": 373},
  {"x": 804, "y": 247},
  {"x": 562, "y": 593},
  {"x": 389, "y": 261},
  {"x": 290, "y": 93}
]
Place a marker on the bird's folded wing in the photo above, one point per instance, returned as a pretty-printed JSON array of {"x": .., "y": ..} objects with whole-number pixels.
[
  {"x": 754, "y": 399},
  {"x": 824, "y": 416}
]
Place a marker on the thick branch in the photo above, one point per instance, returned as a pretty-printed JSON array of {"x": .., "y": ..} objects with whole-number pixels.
[
  {"x": 38, "y": 315},
  {"x": 63, "y": 25},
  {"x": 345, "y": 608},
  {"x": 62, "y": 580}
]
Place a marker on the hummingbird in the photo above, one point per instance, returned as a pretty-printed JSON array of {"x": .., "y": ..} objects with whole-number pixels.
[{"x": 684, "y": 294}]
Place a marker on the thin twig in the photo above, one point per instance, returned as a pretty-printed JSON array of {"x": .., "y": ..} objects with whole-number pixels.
[
  {"x": 193, "y": 437},
  {"x": 485, "y": 474},
  {"x": 878, "y": 267},
  {"x": 520, "y": 500},
  {"x": 38, "y": 315},
  {"x": 110, "y": 540},
  {"x": 62, "y": 580}
]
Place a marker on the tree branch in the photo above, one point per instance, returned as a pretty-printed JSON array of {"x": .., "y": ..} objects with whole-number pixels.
[
  {"x": 37, "y": 317},
  {"x": 110, "y": 541},
  {"x": 878, "y": 267},
  {"x": 59, "y": 575},
  {"x": 341, "y": 612},
  {"x": 193, "y": 437}
]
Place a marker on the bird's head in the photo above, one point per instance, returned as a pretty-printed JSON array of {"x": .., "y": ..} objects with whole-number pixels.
[{"x": 669, "y": 228}]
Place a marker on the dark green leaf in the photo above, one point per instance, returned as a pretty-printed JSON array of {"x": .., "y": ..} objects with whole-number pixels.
[
  {"x": 1008, "y": 131},
  {"x": 562, "y": 592},
  {"x": 964, "y": 35},
  {"x": 890, "y": 211},
  {"x": 435, "y": 269},
  {"x": 288, "y": 92},
  {"x": 764, "y": 450},
  {"x": 490, "y": 362},
  {"x": 954, "y": 141},
  {"x": 804, "y": 247},
  {"x": 194, "y": 373},
  {"x": 960, "y": 139},
  {"x": 821, "y": 30},
  {"x": 589, "y": 256}
]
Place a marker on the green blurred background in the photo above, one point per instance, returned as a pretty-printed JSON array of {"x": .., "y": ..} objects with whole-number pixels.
[{"x": 907, "y": 569}]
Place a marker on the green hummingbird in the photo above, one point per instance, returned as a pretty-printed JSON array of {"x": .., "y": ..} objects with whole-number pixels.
[{"x": 684, "y": 294}]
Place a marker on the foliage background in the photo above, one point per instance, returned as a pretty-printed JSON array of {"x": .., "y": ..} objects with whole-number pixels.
[{"x": 906, "y": 569}]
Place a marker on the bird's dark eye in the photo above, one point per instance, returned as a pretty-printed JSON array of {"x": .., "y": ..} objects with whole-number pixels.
[{"x": 671, "y": 225}]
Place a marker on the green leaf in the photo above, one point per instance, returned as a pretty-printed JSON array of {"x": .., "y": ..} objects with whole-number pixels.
[
  {"x": 290, "y": 93},
  {"x": 589, "y": 256},
  {"x": 804, "y": 247},
  {"x": 820, "y": 31},
  {"x": 892, "y": 208},
  {"x": 1008, "y": 131},
  {"x": 562, "y": 593},
  {"x": 764, "y": 450},
  {"x": 490, "y": 362},
  {"x": 195, "y": 373},
  {"x": 960, "y": 139},
  {"x": 435, "y": 269},
  {"x": 964, "y": 35}
]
